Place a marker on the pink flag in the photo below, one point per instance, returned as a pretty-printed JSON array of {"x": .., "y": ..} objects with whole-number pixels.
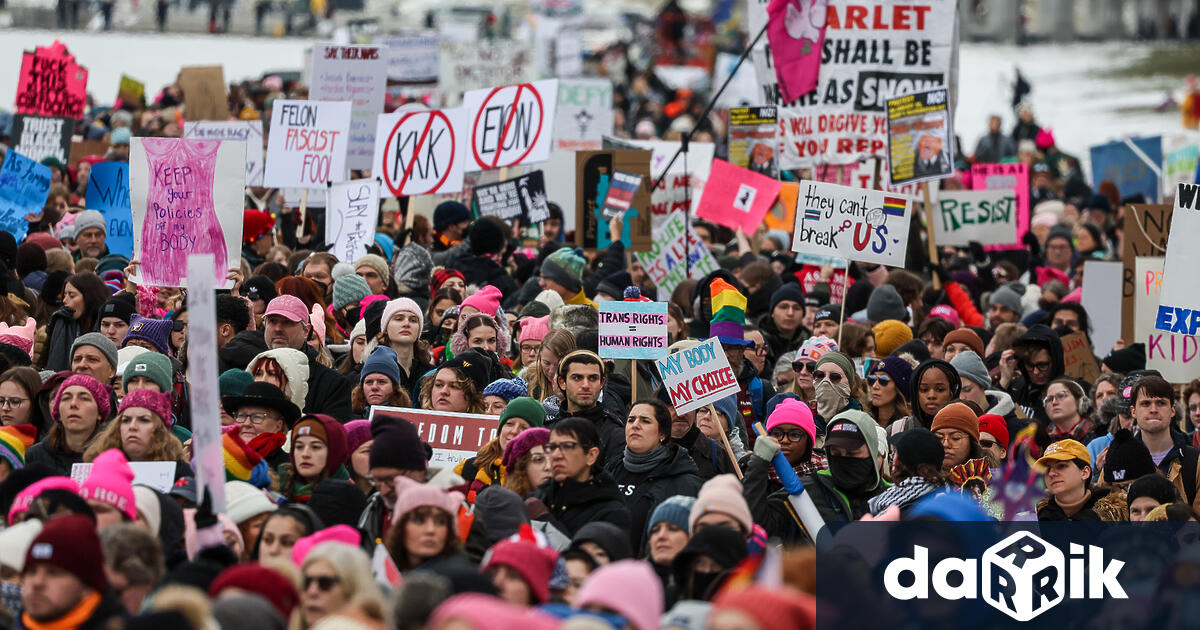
[
  {"x": 796, "y": 31},
  {"x": 737, "y": 197}
]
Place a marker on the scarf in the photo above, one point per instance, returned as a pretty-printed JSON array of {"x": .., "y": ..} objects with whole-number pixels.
[
  {"x": 265, "y": 443},
  {"x": 901, "y": 495},
  {"x": 73, "y": 619},
  {"x": 831, "y": 398},
  {"x": 640, "y": 464}
]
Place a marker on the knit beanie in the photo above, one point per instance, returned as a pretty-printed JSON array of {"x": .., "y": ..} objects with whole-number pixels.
[
  {"x": 614, "y": 284},
  {"x": 789, "y": 291},
  {"x": 448, "y": 213},
  {"x": 1127, "y": 359},
  {"x": 337, "y": 502},
  {"x": 90, "y": 219},
  {"x": 20, "y": 336},
  {"x": 551, "y": 299},
  {"x": 111, "y": 481},
  {"x": 525, "y": 440},
  {"x": 1063, "y": 232},
  {"x": 20, "y": 503},
  {"x": 1127, "y": 459},
  {"x": 121, "y": 306},
  {"x": 376, "y": 263},
  {"x": 243, "y": 463},
  {"x": 794, "y": 412},
  {"x": 399, "y": 305},
  {"x": 997, "y": 426},
  {"x": 440, "y": 277},
  {"x": 889, "y": 335},
  {"x": 1155, "y": 486},
  {"x": 358, "y": 432},
  {"x": 233, "y": 382},
  {"x": 411, "y": 495},
  {"x": 396, "y": 445},
  {"x": 259, "y": 288},
  {"x": 534, "y": 328},
  {"x": 900, "y": 371},
  {"x": 507, "y": 388},
  {"x": 525, "y": 408},
  {"x": 154, "y": 366},
  {"x": 676, "y": 510},
  {"x": 918, "y": 446},
  {"x": 99, "y": 342},
  {"x": 349, "y": 289},
  {"x": 814, "y": 348},
  {"x": 969, "y": 365},
  {"x": 943, "y": 311},
  {"x": 629, "y": 588},
  {"x": 98, "y": 391},
  {"x": 14, "y": 440},
  {"x": 830, "y": 312},
  {"x": 382, "y": 360},
  {"x": 565, "y": 267},
  {"x": 728, "y": 313},
  {"x": 156, "y": 403},
  {"x": 70, "y": 543},
  {"x": 329, "y": 431},
  {"x": 964, "y": 336},
  {"x": 155, "y": 331},
  {"x": 337, "y": 534},
  {"x": 487, "y": 237},
  {"x": 957, "y": 416},
  {"x": 780, "y": 607},
  {"x": 501, "y": 511},
  {"x": 471, "y": 365},
  {"x": 258, "y": 580},
  {"x": 885, "y": 303},
  {"x": 1007, "y": 297},
  {"x": 149, "y": 507},
  {"x": 842, "y": 361},
  {"x": 723, "y": 494},
  {"x": 486, "y": 300},
  {"x": 533, "y": 563}
]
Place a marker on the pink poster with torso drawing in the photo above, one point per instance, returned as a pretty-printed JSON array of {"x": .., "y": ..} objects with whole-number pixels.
[{"x": 186, "y": 197}]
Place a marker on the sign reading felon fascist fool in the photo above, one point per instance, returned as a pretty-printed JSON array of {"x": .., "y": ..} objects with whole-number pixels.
[
  {"x": 633, "y": 330},
  {"x": 1179, "y": 302},
  {"x": 851, "y": 223},
  {"x": 697, "y": 376}
]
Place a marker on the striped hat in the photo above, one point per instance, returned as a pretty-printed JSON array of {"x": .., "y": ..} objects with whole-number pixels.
[
  {"x": 729, "y": 314},
  {"x": 242, "y": 463},
  {"x": 13, "y": 442}
]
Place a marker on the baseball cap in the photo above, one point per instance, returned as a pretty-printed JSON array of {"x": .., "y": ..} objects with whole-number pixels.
[
  {"x": 845, "y": 434},
  {"x": 1064, "y": 451},
  {"x": 288, "y": 306}
]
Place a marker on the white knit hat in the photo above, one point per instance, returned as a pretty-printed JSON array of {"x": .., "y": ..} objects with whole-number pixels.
[{"x": 243, "y": 501}]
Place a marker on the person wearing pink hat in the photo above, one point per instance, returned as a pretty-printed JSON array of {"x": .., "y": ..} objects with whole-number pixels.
[
  {"x": 424, "y": 524},
  {"x": 286, "y": 324},
  {"x": 108, "y": 489},
  {"x": 486, "y": 300},
  {"x": 529, "y": 341},
  {"x": 19, "y": 336},
  {"x": 520, "y": 570},
  {"x": 24, "y": 498},
  {"x": 358, "y": 454},
  {"x": 792, "y": 431},
  {"x": 476, "y": 611},
  {"x": 627, "y": 587},
  {"x": 79, "y": 409},
  {"x": 140, "y": 432},
  {"x": 400, "y": 329},
  {"x": 481, "y": 332}
]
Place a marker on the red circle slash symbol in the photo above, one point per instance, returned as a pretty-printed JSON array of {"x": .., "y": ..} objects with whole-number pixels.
[
  {"x": 519, "y": 121},
  {"x": 431, "y": 129}
]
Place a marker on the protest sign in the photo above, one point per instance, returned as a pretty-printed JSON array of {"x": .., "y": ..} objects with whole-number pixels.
[
  {"x": 512, "y": 198},
  {"x": 40, "y": 137},
  {"x": 1101, "y": 290},
  {"x": 307, "y": 145},
  {"x": 1179, "y": 305},
  {"x": 851, "y": 223},
  {"x": 357, "y": 74},
  {"x": 593, "y": 176},
  {"x": 1174, "y": 355},
  {"x": 697, "y": 376},
  {"x": 671, "y": 259},
  {"x": 207, "y": 452},
  {"x": 509, "y": 125},
  {"x": 1145, "y": 231},
  {"x": 1010, "y": 176},
  {"x": 412, "y": 58},
  {"x": 985, "y": 216},
  {"x": 737, "y": 197},
  {"x": 810, "y": 275},
  {"x": 783, "y": 212},
  {"x": 24, "y": 187},
  {"x": 131, "y": 91},
  {"x": 465, "y": 66},
  {"x": 685, "y": 179},
  {"x": 186, "y": 197},
  {"x": 248, "y": 131},
  {"x": 633, "y": 330},
  {"x": 752, "y": 139},
  {"x": 51, "y": 83},
  {"x": 621, "y": 189},
  {"x": 874, "y": 50},
  {"x": 1078, "y": 360},
  {"x": 157, "y": 475},
  {"x": 920, "y": 141},
  {"x": 204, "y": 93},
  {"x": 83, "y": 148},
  {"x": 1132, "y": 165},
  {"x": 1181, "y": 153},
  {"x": 417, "y": 152},
  {"x": 351, "y": 213},
  {"x": 584, "y": 114},
  {"x": 453, "y": 436},
  {"x": 796, "y": 33},
  {"x": 108, "y": 192}
]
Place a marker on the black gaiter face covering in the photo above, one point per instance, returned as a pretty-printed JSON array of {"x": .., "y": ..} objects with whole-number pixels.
[{"x": 854, "y": 475}]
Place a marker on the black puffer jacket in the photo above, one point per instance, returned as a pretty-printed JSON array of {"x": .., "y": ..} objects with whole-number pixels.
[
  {"x": 643, "y": 491},
  {"x": 573, "y": 504},
  {"x": 328, "y": 391},
  {"x": 610, "y": 427},
  {"x": 1022, "y": 389},
  {"x": 710, "y": 458}
]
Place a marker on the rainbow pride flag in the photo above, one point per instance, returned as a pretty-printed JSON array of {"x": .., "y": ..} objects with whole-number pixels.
[{"x": 894, "y": 206}]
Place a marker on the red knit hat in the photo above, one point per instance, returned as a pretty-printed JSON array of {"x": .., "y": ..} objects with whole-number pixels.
[
  {"x": 255, "y": 224},
  {"x": 329, "y": 431},
  {"x": 441, "y": 276},
  {"x": 71, "y": 544},
  {"x": 98, "y": 390},
  {"x": 782, "y": 607},
  {"x": 255, "y": 578},
  {"x": 996, "y": 425},
  {"x": 534, "y": 563}
]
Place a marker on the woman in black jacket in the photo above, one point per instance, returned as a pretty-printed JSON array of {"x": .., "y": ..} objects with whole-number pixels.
[{"x": 653, "y": 468}]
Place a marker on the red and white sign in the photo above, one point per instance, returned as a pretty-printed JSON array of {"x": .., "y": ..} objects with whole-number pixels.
[
  {"x": 418, "y": 152},
  {"x": 509, "y": 125},
  {"x": 453, "y": 436}
]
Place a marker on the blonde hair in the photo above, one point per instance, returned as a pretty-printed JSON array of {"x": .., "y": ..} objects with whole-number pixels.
[
  {"x": 561, "y": 343},
  {"x": 164, "y": 446},
  {"x": 353, "y": 568}
]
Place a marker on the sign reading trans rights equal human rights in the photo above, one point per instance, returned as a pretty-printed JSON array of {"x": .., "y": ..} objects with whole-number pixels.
[{"x": 633, "y": 330}]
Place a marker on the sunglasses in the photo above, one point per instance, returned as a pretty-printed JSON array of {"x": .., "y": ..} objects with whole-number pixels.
[
  {"x": 882, "y": 379},
  {"x": 988, "y": 443},
  {"x": 800, "y": 366},
  {"x": 834, "y": 377},
  {"x": 323, "y": 582}
]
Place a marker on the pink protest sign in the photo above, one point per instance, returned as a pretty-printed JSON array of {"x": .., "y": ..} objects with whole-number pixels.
[
  {"x": 737, "y": 197},
  {"x": 186, "y": 197},
  {"x": 1008, "y": 176},
  {"x": 51, "y": 83},
  {"x": 796, "y": 32}
]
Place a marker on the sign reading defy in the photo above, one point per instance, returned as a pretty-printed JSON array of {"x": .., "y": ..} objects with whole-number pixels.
[
  {"x": 697, "y": 376},
  {"x": 633, "y": 330}
]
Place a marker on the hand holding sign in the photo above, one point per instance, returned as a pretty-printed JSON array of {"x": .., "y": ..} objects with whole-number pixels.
[{"x": 697, "y": 376}]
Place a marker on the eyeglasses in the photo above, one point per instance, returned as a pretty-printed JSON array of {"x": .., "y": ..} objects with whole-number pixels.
[
  {"x": 800, "y": 366},
  {"x": 323, "y": 582},
  {"x": 529, "y": 347},
  {"x": 1053, "y": 398},
  {"x": 834, "y": 377},
  {"x": 565, "y": 446},
  {"x": 13, "y": 402},
  {"x": 988, "y": 443},
  {"x": 793, "y": 436},
  {"x": 1043, "y": 366},
  {"x": 252, "y": 418},
  {"x": 882, "y": 379},
  {"x": 760, "y": 349},
  {"x": 376, "y": 482}
]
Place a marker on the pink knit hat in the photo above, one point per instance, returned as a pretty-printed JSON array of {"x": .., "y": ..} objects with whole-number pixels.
[
  {"x": 19, "y": 336},
  {"x": 487, "y": 300},
  {"x": 343, "y": 534},
  {"x": 793, "y": 411},
  {"x": 358, "y": 432},
  {"x": 485, "y": 611},
  {"x": 628, "y": 587},
  {"x": 317, "y": 319},
  {"x": 411, "y": 495},
  {"x": 157, "y": 403},
  {"x": 25, "y": 497},
  {"x": 98, "y": 391},
  {"x": 518, "y": 446},
  {"x": 398, "y": 305},
  {"x": 723, "y": 494},
  {"x": 534, "y": 329},
  {"x": 111, "y": 481},
  {"x": 947, "y": 313}
]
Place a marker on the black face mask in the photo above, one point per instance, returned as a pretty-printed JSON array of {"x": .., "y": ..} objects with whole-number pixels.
[
  {"x": 853, "y": 474},
  {"x": 701, "y": 582}
]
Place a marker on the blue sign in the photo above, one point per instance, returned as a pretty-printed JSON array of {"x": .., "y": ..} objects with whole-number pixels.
[
  {"x": 1117, "y": 162},
  {"x": 108, "y": 192},
  {"x": 24, "y": 187}
]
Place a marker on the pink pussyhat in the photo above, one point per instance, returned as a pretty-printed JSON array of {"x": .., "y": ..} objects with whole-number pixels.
[
  {"x": 111, "y": 481},
  {"x": 343, "y": 534},
  {"x": 25, "y": 497},
  {"x": 19, "y": 336},
  {"x": 317, "y": 319},
  {"x": 487, "y": 300},
  {"x": 947, "y": 313}
]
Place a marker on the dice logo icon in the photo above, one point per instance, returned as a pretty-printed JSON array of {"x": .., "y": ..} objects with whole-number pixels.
[{"x": 1023, "y": 576}]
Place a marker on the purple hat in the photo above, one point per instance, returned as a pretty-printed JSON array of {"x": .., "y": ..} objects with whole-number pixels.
[
  {"x": 900, "y": 371},
  {"x": 155, "y": 331},
  {"x": 525, "y": 440},
  {"x": 358, "y": 432}
]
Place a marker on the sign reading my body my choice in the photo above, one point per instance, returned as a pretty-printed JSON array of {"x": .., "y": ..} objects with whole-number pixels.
[
  {"x": 697, "y": 376},
  {"x": 1179, "y": 301},
  {"x": 633, "y": 330},
  {"x": 307, "y": 144}
]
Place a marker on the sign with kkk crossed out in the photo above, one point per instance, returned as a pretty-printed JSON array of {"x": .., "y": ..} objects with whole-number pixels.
[
  {"x": 417, "y": 153},
  {"x": 509, "y": 125}
]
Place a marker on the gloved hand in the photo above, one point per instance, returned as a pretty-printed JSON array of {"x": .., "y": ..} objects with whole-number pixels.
[
  {"x": 765, "y": 448},
  {"x": 205, "y": 517},
  {"x": 940, "y": 273},
  {"x": 979, "y": 256}
]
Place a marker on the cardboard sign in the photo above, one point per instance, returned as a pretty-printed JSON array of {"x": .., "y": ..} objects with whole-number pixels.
[
  {"x": 24, "y": 187},
  {"x": 737, "y": 197},
  {"x": 108, "y": 192},
  {"x": 783, "y": 212},
  {"x": 186, "y": 197},
  {"x": 920, "y": 141},
  {"x": 351, "y": 214},
  {"x": 671, "y": 259},
  {"x": 248, "y": 131},
  {"x": 1078, "y": 359},
  {"x": 584, "y": 114},
  {"x": 1013, "y": 177},
  {"x": 204, "y": 95},
  {"x": 1176, "y": 356},
  {"x": 357, "y": 74},
  {"x": 512, "y": 198},
  {"x": 307, "y": 145},
  {"x": 685, "y": 178},
  {"x": 83, "y": 148},
  {"x": 851, "y": 223},
  {"x": 509, "y": 125},
  {"x": 593, "y": 176},
  {"x": 157, "y": 475},
  {"x": 131, "y": 91},
  {"x": 1145, "y": 235},
  {"x": 633, "y": 330},
  {"x": 988, "y": 217},
  {"x": 412, "y": 59},
  {"x": 40, "y": 137},
  {"x": 1179, "y": 301},
  {"x": 51, "y": 83},
  {"x": 1101, "y": 290},
  {"x": 465, "y": 66},
  {"x": 453, "y": 436},
  {"x": 697, "y": 376},
  {"x": 417, "y": 152},
  {"x": 752, "y": 139},
  {"x": 1131, "y": 168},
  {"x": 621, "y": 189},
  {"x": 208, "y": 456}
]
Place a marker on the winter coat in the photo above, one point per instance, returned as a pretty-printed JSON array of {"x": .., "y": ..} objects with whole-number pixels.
[
  {"x": 1104, "y": 504},
  {"x": 1023, "y": 391},
  {"x": 328, "y": 391},
  {"x": 61, "y": 333},
  {"x": 237, "y": 353},
  {"x": 768, "y": 500},
  {"x": 109, "y": 614},
  {"x": 833, "y": 504},
  {"x": 994, "y": 147},
  {"x": 643, "y": 492},
  {"x": 482, "y": 271},
  {"x": 710, "y": 458},
  {"x": 573, "y": 504},
  {"x": 372, "y": 517},
  {"x": 610, "y": 427},
  {"x": 59, "y": 461},
  {"x": 1183, "y": 458},
  {"x": 777, "y": 342}
]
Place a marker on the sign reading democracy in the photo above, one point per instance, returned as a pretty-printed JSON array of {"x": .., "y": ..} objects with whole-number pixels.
[
  {"x": 988, "y": 217},
  {"x": 509, "y": 125},
  {"x": 1179, "y": 302},
  {"x": 51, "y": 83},
  {"x": 737, "y": 197},
  {"x": 453, "y": 436},
  {"x": 851, "y": 223},
  {"x": 1175, "y": 356},
  {"x": 633, "y": 330},
  {"x": 40, "y": 137},
  {"x": 670, "y": 257},
  {"x": 307, "y": 145},
  {"x": 920, "y": 141},
  {"x": 357, "y": 74},
  {"x": 108, "y": 192},
  {"x": 417, "y": 152},
  {"x": 697, "y": 376},
  {"x": 351, "y": 213},
  {"x": 24, "y": 187},
  {"x": 248, "y": 131}
]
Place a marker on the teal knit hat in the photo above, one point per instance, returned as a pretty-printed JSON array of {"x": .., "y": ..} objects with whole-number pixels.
[
  {"x": 234, "y": 381},
  {"x": 349, "y": 289},
  {"x": 565, "y": 267},
  {"x": 152, "y": 365},
  {"x": 526, "y": 408}
]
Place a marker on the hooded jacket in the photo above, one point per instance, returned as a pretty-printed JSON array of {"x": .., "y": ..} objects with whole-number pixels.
[
  {"x": 328, "y": 391},
  {"x": 643, "y": 491},
  {"x": 573, "y": 504},
  {"x": 1023, "y": 391},
  {"x": 832, "y": 502},
  {"x": 709, "y": 457},
  {"x": 238, "y": 352}
]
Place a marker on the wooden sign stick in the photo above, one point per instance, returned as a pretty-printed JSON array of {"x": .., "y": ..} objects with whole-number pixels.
[{"x": 933, "y": 254}]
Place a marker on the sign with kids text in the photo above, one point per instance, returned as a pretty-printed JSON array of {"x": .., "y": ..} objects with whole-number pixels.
[
  {"x": 851, "y": 223},
  {"x": 509, "y": 125},
  {"x": 108, "y": 192},
  {"x": 737, "y": 197},
  {"x": 633, "y": 330},
  {"x": 1179, "y": 302},
  {"x": 351, "y": 212},
  {"x": 1176, "y": 356},
  {"x": 985, "y": 216},
  {"x": 357, "y": 74},
  {"x": 51, "y": 83},
  {"x": 307, "y": 144},
  {"x": 40, "y": 137},
  {"x": 697, "y": 376},
  {"x": 920, "y": 142},
  {"x": 24, "y": 186},
  {"x": 453, "y": 436}
]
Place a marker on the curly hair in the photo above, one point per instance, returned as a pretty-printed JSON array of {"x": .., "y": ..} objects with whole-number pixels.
[{"x": 458, "y": 341}]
